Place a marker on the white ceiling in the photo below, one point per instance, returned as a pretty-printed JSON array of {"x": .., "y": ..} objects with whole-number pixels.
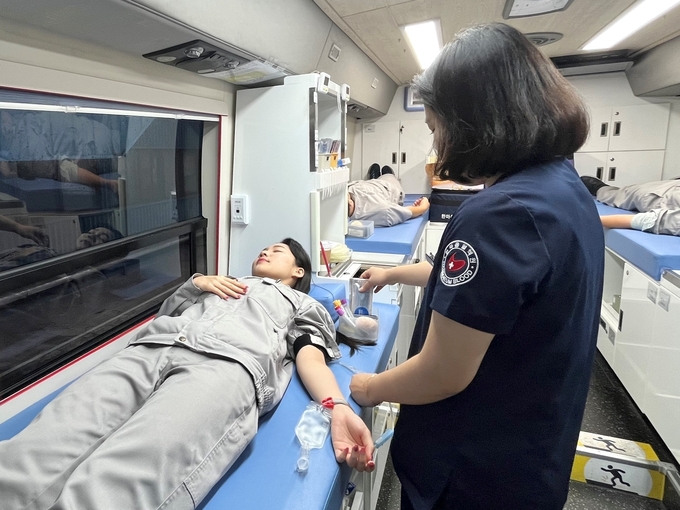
[{"x": 374, "y": 26}]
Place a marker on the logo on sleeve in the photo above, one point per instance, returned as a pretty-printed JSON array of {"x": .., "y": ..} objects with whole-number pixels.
[{"x": 459, "y": 264}]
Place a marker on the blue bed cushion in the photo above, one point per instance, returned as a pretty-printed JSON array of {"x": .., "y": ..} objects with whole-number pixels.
[
  {"x": 326, "y": 293},
  {"x": 651, "y": 253},
  {"x": 400, "y": 239}
]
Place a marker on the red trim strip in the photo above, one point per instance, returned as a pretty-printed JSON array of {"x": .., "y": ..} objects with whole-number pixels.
[{"x": 24, "y": 390}]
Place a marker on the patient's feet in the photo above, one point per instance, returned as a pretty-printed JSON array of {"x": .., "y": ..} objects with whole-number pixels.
[
  {"x": 374, "y": 171},
  {"x": 386, "y": 170},
  {"x": 593, "y": 184}
]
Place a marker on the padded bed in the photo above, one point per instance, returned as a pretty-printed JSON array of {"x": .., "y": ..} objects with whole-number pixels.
[
  {"x": 400, "y": 239},
  {"x": 264, "y": 476},
  {"x": 651, "y": 253}
]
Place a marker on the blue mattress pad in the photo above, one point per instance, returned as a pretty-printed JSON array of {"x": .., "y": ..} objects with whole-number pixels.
[
  {"x": 651, "y": 253},
  {"x": 400, "y": 239}
]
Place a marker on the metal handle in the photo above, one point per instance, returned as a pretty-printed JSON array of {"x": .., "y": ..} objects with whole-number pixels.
[
  {"x": 620, "y": 319},
  {"x": 612, "y": 173},
  {"x": 394, "y": 158},
  {"x": 617, "y": 128},
  {"x": 598, "y": 172},
  {"x": 403, "y": 158},
  {"x": 603, "y": 128}
]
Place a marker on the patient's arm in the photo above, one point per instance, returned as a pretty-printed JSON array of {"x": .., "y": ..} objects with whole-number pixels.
[
  {"x": 617, "y": 220},
  {"x": 419, "y": 206},
  {"x": 347, "y": 429}
]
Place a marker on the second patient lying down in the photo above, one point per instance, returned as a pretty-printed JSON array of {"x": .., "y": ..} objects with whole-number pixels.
[{"x": 159, "y": 423}]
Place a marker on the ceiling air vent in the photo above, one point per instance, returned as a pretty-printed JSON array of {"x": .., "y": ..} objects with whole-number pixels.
[
  {"x": 198, "y": 57},
  {"x": 334, "y": 54},
  {"x": 544, "y": 38}
]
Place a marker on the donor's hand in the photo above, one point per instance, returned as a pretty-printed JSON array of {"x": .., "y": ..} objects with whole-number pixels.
[{"x": 223, "y": 286}]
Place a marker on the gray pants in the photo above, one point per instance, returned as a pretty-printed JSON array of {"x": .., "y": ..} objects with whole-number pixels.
[
  {"x": 153, "y": 427},
  {"x": 660, "y": 196}
]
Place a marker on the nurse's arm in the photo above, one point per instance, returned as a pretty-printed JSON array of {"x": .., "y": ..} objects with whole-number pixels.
[
  {"x": 448, "y": 362},
  {"x": 347, "y": 428},
  {"x": 408, "y": 274}
]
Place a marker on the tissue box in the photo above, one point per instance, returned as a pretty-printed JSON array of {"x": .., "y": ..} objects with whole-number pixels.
[{"x": 360, "y": 228}]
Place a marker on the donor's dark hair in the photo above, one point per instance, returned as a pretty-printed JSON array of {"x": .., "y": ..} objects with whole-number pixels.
[
  {"x": 500, "y": 105},
  {"x": 303, "y": 284},
  {"x": 302, "y": 260}
]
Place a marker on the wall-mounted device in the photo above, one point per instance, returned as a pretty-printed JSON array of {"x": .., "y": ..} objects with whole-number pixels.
[
  {"x": 344, "y": 92},
  {"x": 322, "y": 84},
  {"x": 198, "y": 57},
  {"x": 239, "y": 210}
]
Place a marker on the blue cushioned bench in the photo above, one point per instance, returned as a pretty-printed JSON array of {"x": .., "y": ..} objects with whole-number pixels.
[
  {"x": 264, "y": 477},
  {"x": 400, "y": 239},
  {"x": 651, "y": 253}
]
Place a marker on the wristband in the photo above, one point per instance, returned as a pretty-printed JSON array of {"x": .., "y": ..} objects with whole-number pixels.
[{"x": 330, "y": 402}]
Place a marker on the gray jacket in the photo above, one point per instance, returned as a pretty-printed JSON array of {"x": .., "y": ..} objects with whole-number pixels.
[
  {"x": 258, "y": 330},
  {"x": 379, "y": 200}
]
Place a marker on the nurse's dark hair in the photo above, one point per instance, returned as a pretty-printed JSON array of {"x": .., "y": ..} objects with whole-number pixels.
[
  {"x": 500, "y": 105},
  {"x": 303, "y": 284}
]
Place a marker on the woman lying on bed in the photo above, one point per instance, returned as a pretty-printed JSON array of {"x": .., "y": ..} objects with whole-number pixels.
[{"x": 161, "y": 422}]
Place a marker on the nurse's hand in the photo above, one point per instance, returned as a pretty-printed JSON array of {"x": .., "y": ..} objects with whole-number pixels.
[
  {"x": 224, "y": 286},
  {"x": 352, "y": 440},
  {"x": 358, "y": 386},
  {"x": 377, "y": 278}
]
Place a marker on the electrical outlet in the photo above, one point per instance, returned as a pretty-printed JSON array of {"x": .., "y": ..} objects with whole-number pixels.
[{"x": 239, "y": 210}]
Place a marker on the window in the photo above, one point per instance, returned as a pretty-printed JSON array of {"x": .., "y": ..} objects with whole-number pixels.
[{"x": 100, "y": 220}]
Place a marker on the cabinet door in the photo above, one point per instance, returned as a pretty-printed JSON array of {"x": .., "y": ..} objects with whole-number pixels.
[
  {"x": 380, "y": 144},
  {"x": 606, "y": 337},
  {"x": 591, "y": 163},
  {"x": 415, "y": 143},
  {"x": 662, "y": 396},
  {"x": 433, "y": 236},
  {"x": 640, "y": 127},
  {"x": 598, "y": 137},
  {"x": 638, "y": 303},
  {"x": 625, "y": 168}
]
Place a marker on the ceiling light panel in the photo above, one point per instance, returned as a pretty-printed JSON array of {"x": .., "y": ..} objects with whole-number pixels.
[
  {"x": 632, "y": 20},
  {"x": 425, "y": 39}
]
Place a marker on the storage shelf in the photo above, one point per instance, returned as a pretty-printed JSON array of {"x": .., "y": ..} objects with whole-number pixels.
[{"x": 332, "y": 180}]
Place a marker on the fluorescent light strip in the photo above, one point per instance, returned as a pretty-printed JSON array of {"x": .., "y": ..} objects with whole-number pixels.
[
  {"x": 425, "y": 41},
  {"x": 632, "y": 21},
  {"x": 106, "y": 111}
]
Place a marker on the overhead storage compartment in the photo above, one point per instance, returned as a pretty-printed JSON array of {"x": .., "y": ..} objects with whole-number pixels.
[
  {"x": 295, "y": 35},
  {"x": 371, "y": 90},
  {"x": 657, "y": 72}
]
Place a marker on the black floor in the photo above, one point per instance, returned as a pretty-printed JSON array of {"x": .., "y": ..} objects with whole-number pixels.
[{"x": 609, "y": 411}]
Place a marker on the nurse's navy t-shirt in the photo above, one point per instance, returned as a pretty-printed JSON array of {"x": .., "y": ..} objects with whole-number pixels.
[{"x": 523, "y": 259}]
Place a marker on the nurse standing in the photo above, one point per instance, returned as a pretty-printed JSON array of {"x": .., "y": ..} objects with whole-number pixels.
[{"x": 497, "y": 377}]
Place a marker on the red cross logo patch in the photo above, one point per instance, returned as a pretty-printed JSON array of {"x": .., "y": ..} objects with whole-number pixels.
[{"x": 459, "y": 264}]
